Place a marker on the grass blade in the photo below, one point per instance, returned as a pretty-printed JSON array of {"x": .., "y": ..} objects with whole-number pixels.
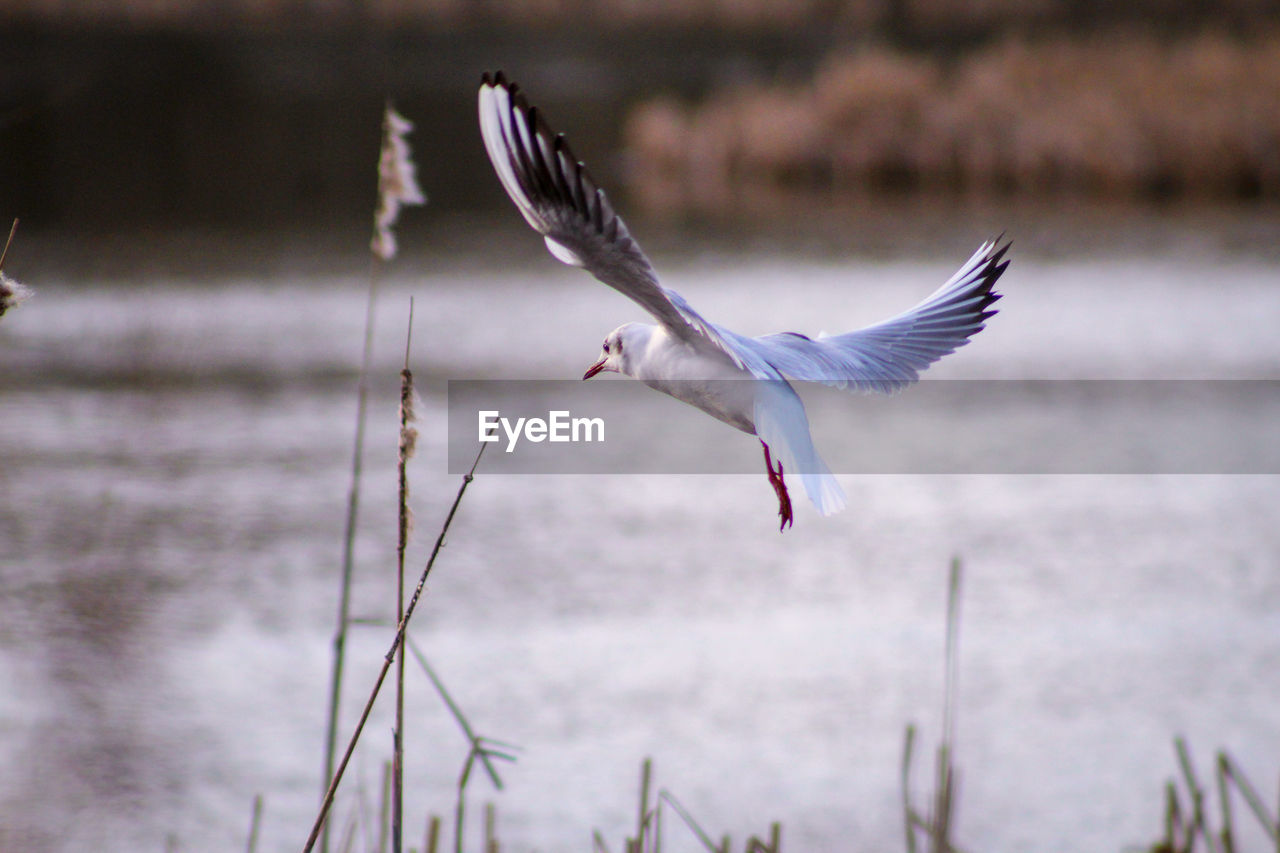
[
  {"x": 477, "y": 742},
  {"x": 643, "y": 817},
  {"x": 908, "y": 812},
  {"x": 255, "y": 823},
  {"x": 1197, "y": 798},
  {"x": 384, "y": 807},
  {"x": 1224, "y": 801},
  {"x": 1242, "y": 784},
  {"x": 433, "y": 835},
  {"x": 684, "y": 815}
]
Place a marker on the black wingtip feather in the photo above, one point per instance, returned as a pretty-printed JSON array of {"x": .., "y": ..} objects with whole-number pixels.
[
  {"x": 995, "y": 265},
  {"x": 552, "y": 180}
]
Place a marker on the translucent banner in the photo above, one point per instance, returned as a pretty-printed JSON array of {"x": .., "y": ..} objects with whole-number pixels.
[{"x": 933, "y": 427}]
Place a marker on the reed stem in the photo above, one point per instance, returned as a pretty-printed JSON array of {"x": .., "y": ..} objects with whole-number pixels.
[
  {"x": 255, "y": 823},
  {"x": 407, "y": 440},
  {"x": 384, "y": 807},
  {"x": 327, "y": 802},
  {"x": 349, "y": 534},
  {"x": 433, "y": 835},
  {"x": 13, "y": 229}
]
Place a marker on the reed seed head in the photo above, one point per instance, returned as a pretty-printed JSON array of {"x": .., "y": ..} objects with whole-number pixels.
[
  {"x": 397, "y": 182},
  {"x": 12, "y": 293}
]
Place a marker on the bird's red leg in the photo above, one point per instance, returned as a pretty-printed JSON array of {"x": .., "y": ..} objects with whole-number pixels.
[{"x": 779, "y": 488}]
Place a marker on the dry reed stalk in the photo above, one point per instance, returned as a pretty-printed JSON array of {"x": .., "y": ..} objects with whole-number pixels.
[
  {"x": 397, "y": 186},
  {"x": 407, "y": 442},
  {"x": 13, "y": 229},
  {"x": 11, "y": 292},
  {"x": 349, "y": 532},
  {"x": 389, "y": 658}
]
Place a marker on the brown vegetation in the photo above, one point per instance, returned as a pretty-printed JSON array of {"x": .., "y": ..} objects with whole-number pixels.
[{"x": 1109, "y": 116}]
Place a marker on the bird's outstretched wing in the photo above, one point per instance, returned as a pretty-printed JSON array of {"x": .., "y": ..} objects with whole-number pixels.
[
  {"x": 889, "y": 355},
  {"x": 560, "y": 200}
]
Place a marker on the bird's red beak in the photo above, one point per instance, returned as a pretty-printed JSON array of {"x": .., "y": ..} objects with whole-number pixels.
[{"x": 595, "y": 368}]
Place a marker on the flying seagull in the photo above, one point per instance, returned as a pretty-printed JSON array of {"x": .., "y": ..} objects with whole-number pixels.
[{"x": 684, "y": 354}]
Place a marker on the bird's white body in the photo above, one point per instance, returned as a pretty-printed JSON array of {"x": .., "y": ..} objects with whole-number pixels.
[
  {"x": 742, "y": 381},
  {"x": 709, "y": 381}
]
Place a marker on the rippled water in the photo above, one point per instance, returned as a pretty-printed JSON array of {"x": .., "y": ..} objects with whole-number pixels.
[{"x": 174, "y": 460}]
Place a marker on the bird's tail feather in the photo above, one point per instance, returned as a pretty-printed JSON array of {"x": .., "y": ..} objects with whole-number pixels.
[
  {"x": 782, "y": 424},
  {"x": 824, "y": 490}
]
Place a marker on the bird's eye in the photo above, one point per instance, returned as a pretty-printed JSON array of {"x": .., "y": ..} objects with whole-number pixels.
[{"x": 606, "y": 347}]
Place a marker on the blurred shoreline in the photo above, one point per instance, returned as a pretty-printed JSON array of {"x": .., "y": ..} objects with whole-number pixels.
[
  {"x": 935, "y": 22},
  {"x": 238, "y": 116},
  {"x": 765, "y": 225},
  {"x": 1125, "y": 115}
]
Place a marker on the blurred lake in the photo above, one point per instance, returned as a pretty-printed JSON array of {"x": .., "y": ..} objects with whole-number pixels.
[{"x": 175, "y": 435}]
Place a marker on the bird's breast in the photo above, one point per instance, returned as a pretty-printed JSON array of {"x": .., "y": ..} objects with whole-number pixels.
[
  {"x": 707, "y": 381},
  {"x": 729, "y": 400}
]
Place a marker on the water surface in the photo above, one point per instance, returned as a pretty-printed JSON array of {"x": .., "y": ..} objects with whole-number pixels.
[{"x": 174, "y": 457}]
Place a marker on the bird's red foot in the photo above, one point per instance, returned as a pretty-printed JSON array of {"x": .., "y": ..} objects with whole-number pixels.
[{"x": 779, "y": 488}]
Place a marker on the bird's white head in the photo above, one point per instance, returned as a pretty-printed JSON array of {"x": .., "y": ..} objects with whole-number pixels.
[{"x": 622, "y": 350}]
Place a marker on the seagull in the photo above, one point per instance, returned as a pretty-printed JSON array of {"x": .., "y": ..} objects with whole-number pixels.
[{"x": 689, "y": 357}]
